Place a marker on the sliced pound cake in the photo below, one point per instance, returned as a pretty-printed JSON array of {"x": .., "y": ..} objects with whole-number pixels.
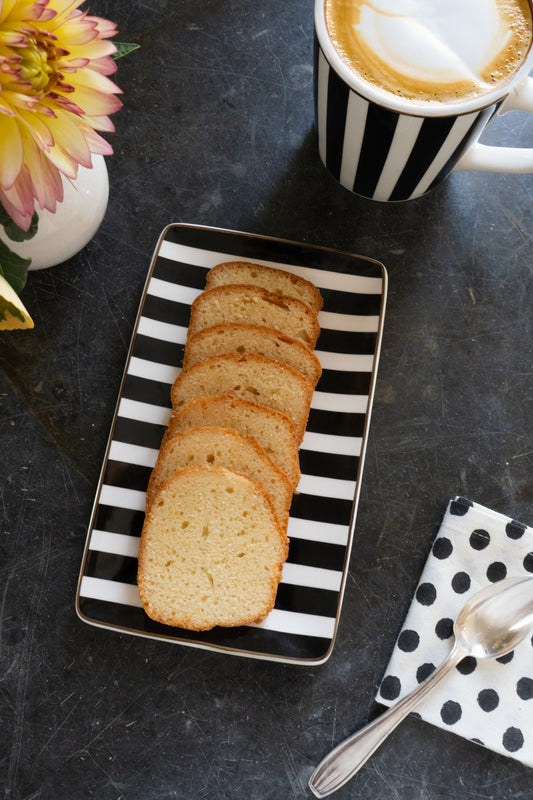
[
  {"x": 272, "y": 429},
  {"x": 222, "y": 447},
  {"x": 275, "y": 280},
  {"x": 211, "y": 551},
  {"x": 253, "y": 377},
  {"x": 238, "y": 337},
  {"x": 258, "y": 306}
]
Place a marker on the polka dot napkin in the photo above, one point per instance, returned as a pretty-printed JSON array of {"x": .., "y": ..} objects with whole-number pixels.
[{"x": 488, "y": 701}]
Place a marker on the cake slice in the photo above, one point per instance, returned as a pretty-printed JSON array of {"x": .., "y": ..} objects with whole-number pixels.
[
  {"x": 258, "y": 306},
  {"x": 238, "y": 337},
  {"x": 272, "y": 429},
  {"x": 222, "y": 447},
  {"x": 211, "y": 551},
  {"x": 275, "y": 280},
  {"x": 253, "y": 377}
]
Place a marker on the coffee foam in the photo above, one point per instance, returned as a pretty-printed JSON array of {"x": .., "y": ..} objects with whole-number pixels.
[{"x": 432, "y": 49}]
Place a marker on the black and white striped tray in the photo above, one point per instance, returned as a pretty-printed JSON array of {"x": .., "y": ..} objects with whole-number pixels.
[{"x": 303, "y": 624}]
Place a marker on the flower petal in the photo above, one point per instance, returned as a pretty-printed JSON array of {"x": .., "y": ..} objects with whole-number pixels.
[{"x": 12, "y": 151}]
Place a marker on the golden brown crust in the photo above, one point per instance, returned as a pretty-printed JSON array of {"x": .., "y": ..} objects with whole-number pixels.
[
  {"x": 240, "y": 337},
  {"x": 273, "y": 429},
  {"x": 271, "y": 278},
  {"x": 211, "y": 551},
  {"x": 251, "y": 376},
  {"x": 255, "y": 305}
]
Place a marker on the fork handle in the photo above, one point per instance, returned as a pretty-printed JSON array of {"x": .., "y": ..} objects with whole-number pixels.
[{"x": 348, "y": 757}]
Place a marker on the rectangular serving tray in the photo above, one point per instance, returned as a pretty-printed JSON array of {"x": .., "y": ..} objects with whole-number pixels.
[{"x": 302, "y": 627}]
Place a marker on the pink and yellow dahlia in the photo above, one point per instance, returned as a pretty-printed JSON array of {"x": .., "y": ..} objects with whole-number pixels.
[{"x": 54, "y": 96}]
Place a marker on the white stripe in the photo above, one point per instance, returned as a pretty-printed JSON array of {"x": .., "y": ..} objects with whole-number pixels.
[
  {"x": 323, "y": 279},
  {"x": 133, "y": 454},
  {"x": 405, "y": 133},
  {"x": 313, "y": 531},
  {"x": 322, "y": 104},
  {"x": 117, "y": 496},
  {"x": 172, "y": 291},
  {"x": 343, "y": 403},
  {"x": 165, "y": 331},
  {"x": 143, "y": 412},
  {"x": 456, "y": 134},
  {"x": 114, "y": 592},
  {"x": 348, "y": 323},
  {"x": 314, "y": 577},
  {"x": 345, "y": 362},
  {"x": 318, "y": 486},
  {"x": 292, "y": 622},
  {"x": 117, "y": 543},
  {"x": 152, "y": 370},
  {"x": 356, "y": 114},
  {"x": 331, "y": 443}
]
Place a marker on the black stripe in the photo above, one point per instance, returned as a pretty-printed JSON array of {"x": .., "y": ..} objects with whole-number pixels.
[
  {"x": 379, "y": 133},
  {"x": 337, "y": 104},
  {"x": 150, "y": 349},
  {"x": 127, "y": 476},
  {"x": 145, "y": 434},
  {"x": 321, "y": 509},
  {"x": 328, "y": 465},
  {"x": 338, "y": 382},
  {"x": 316, "y": 554},
  {"x": 111, "y": 567},
  {"x": 180, "y": 272},
  {"x": 249, "y": 640},
  {"x": 346, "y": 342},
  {"x": 164, "y": 310},
  {"x": 144, "y": 390},
  {"x": 307, "y": 600},
  {"x": 472, "y": 134},
  {"x": 261, "y": 248},
  {"x": 118, "y": 520},
  {"x": 336, "y": 423},
  {"x": 365, "y": 305},
  {"x": 431, "y": 137}
]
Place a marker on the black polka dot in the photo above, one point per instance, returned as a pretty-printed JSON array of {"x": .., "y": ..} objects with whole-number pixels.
[
  {"x": 426, "y": 594},
  {"x": 442, "y": 548},
  {"x": 479, "y": 539},
  {"x": 408, "y": 641},
  {"x": 444, "y": 628},
  {"x": 461, "y": 582},
  {"x": 496, "y": 571},
  {"x": 460, "y": 506},
  {"x": 488, "y": 700},
  {"x": 513, "y": 739},
  {"x": 467, "y": 665},
  {"x": 451, "y": 712},
  {"x": 524, "y": 688},
  {"x": 477, "y": 741},
  {"x": 506, "y": 658},
  {"x": 528, "y": 562},
  {"x": 424, "y": 671},
  {"x": 390, "y": 687},
  {"x": 514, "y": 529}
]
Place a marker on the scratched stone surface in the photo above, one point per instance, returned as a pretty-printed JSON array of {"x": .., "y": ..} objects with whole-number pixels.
[{"x": 217, "y": 129}]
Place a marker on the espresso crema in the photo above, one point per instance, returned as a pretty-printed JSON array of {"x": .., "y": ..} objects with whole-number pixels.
[{"x": 436, "y": 51}]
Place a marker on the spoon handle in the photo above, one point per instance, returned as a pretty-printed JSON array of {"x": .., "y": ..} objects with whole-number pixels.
[{"x": 348, "y": 757}]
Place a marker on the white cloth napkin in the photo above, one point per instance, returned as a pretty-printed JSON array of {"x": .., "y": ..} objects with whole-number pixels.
[{"x": 489, "y": 701}]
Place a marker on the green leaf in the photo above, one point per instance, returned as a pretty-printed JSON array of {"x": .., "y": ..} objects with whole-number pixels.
[
  {"x": 123, "y": 49},
  {"x": 14, "y": 232},
  {"x": 13, "y": 267}
]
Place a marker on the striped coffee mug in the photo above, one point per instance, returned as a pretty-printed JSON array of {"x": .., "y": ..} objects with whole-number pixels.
[{"x": 385, "y": 147}]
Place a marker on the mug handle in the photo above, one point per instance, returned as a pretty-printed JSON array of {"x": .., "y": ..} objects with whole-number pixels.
[{"x": 503, "y": 159}]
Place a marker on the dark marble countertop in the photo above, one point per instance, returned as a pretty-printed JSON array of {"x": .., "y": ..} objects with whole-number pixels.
[{"x": 217, "y": 129}]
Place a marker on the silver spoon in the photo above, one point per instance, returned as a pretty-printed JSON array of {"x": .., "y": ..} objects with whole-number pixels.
[{"x": 489, "y": 625}]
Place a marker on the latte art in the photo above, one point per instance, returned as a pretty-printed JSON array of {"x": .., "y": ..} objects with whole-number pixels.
[{"x": 431, "y": 50}]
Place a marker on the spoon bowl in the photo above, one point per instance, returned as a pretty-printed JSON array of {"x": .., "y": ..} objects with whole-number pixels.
[{"x": 490, "y": 624}]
